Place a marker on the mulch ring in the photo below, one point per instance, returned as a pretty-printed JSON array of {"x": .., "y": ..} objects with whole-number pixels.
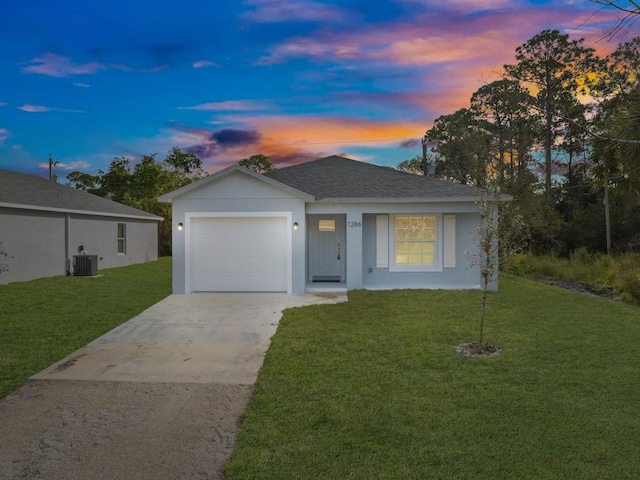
[{"x": 477, "y": 349}]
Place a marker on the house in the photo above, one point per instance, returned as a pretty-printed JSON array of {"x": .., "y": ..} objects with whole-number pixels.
[
  {"x": 329, "y": 224},
  {"x": 44, "y": 224}
]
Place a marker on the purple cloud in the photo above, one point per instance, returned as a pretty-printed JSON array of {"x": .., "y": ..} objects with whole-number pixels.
[
  {"x": 54, "y": 65},
  {"x": 231, "y": 137}
]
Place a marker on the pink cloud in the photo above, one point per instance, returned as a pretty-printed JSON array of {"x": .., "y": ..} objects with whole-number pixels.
[
  {"x": 204, "y": 64},
  {"x": 230, "y": 105},
  {"x": 278, "y": 11},
  {"x": 34, "y": 108},
  {"x": 41, "y": 108},
  {"x": 58, "y": 66}
]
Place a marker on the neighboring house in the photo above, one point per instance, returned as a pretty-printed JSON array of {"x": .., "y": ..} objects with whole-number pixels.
[
  {"x": 44, "y": 224},
  {"x": 329, "y": 224}
]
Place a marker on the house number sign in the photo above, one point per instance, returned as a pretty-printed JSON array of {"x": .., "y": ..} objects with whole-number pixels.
[{"x": 354, "y": 224}]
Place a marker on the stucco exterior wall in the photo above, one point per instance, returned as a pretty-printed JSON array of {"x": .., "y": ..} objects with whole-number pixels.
[
  {"x": 361, "y": 245},
  {"x": 458, "y": 277},
  {"x": 41, "y": 242},
  {"x": 239, "y": 193},
  {"x": 99, "y": 236},
  {"x": 35, "y": 242}
]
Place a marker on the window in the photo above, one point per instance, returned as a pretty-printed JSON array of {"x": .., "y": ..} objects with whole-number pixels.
[
  {"x": 327, "y": 225},
  {"x": 414, "y": 242},
  {"x": 122, "y": 238}
]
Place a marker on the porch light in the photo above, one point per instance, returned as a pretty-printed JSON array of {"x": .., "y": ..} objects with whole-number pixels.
[
  {"x": 295, "y": 225},
  {"x": 180, "y": 226}
]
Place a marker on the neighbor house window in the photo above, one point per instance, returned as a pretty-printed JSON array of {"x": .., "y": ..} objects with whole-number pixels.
[
  {"x": 414, "y": 242},
  {"x": 122, "y": 238}
]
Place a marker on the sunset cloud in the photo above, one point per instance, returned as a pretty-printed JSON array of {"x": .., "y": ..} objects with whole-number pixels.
[
  {"x": 77, "y": 165},
  {"x": 41, "y": 108},
  {"x": 287, "y": 140},
  {"x": 204, "y": 64},
  {"x": 230, "y": 106},
  {"x": 280, "y": 11},
  {"x": 54, "y": 65}
]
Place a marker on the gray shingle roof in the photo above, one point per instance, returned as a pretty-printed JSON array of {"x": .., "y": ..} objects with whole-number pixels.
[
  {"x": 31, "y": 191},
  {"x": 339, "y": 177}
]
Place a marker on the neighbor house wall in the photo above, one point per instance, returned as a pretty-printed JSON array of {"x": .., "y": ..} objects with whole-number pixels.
[
  {"x": 242, "y": 194},
  {"x": 35, "y": 243},
  {"x": 41, "y": 242},
  {"x": 99, "y": 236}
]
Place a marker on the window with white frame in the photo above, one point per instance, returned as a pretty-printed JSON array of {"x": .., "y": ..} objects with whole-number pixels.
[
  {"x": 415, "y": 242},
  {"x": 122, "y": 238}
]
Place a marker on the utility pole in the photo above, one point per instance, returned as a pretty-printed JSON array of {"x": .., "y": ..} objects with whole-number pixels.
[
  {"x": 425, "y": 167},
  {"x": 607, "y": 220},
  {"x": 51, "y": 165}
]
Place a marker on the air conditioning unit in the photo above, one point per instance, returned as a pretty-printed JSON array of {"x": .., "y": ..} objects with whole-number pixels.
[{"x": 85, "y": 265}]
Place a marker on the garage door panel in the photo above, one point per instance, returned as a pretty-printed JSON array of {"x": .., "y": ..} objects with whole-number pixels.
[{"x": 239, "y": 254}]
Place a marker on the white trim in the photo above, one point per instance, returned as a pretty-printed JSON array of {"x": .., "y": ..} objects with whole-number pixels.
[
  {"x": 382, "y": 241},
  {"x": 449, "y": 240},
  {"x": 169, "y": 197},
  {"x": 187, "y": 231},
  {"x": 437, "y": 267},
  {"x": 79, "y": 212}
]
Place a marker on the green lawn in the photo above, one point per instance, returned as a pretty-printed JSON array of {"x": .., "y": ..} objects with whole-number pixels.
[
  {"x": 44, "y": 320},
  {"x": 372, "y": 389}
]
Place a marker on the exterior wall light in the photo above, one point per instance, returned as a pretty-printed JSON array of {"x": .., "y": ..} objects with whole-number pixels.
[
  {"x": 295, "y": 225},
  {"x": 180, "y": 226}
]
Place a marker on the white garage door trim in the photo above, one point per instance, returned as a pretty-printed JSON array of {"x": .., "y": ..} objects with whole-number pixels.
[{"x": 200, "y": 215}]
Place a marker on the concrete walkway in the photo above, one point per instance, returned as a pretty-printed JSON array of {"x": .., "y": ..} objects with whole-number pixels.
[{"x": 196, "y": 338}]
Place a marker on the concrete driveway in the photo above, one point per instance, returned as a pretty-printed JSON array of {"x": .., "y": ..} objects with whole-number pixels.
[
  {"x": 161, "y": 396},
  {"x": 196, "y": 338}
]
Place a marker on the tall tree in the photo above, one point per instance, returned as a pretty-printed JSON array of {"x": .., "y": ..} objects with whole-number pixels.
[
  {"x": 497, "y": 107},
  {"x": 139, "y": 184},
  {"x": 462, "y": 148},
  {"x": 555, "y": 69},
  {"x": 412, "y": 165},
  {"x": 258, "y": 163}
]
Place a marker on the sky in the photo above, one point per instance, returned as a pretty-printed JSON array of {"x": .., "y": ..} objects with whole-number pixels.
[{"x": 85, "y": 82}]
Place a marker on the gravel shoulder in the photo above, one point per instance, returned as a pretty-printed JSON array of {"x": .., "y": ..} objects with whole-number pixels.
[{"x": 119, "y": 430}]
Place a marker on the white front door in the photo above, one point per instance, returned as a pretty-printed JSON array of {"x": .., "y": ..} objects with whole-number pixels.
[
  {"x": 327, "y": 249},
  {"x": 239, "y": 254}
]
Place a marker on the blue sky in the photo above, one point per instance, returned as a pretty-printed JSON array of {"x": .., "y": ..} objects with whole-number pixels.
[{"x": 86, "y": 82}]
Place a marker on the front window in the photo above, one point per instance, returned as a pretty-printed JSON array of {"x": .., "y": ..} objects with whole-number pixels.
[
  {"x": 414, "y": 245},
  {"x": 122, "y": 238}
]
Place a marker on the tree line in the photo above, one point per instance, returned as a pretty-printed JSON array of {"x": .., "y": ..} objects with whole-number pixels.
[{"x": 560, "y": 132}]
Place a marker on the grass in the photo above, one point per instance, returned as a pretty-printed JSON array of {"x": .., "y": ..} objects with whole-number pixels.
[
  {"x": 44, "y": 320},
  {"x": 604, "y": 274},
  {"x": 372, "y": 389}
]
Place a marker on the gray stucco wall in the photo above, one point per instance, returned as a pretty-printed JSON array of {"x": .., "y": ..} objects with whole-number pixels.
[
  {"x": 100, "y": 237},
  {"x": 36, "y": 243},
  {"x": 39, "y": 244},
  {"x": 239, "y": 193},
  {"x": 361, "y": 245},
  {"x": 460, "y": 276}
]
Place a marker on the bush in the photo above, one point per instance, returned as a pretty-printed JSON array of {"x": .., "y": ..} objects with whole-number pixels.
[{"x": 614, "y": 276}]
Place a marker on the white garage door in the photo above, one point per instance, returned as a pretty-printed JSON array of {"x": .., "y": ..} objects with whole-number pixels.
[{"x": 239, "y": 254}]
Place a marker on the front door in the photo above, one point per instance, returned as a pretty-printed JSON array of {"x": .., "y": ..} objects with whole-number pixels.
[{"x": 327, "y": 252}]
